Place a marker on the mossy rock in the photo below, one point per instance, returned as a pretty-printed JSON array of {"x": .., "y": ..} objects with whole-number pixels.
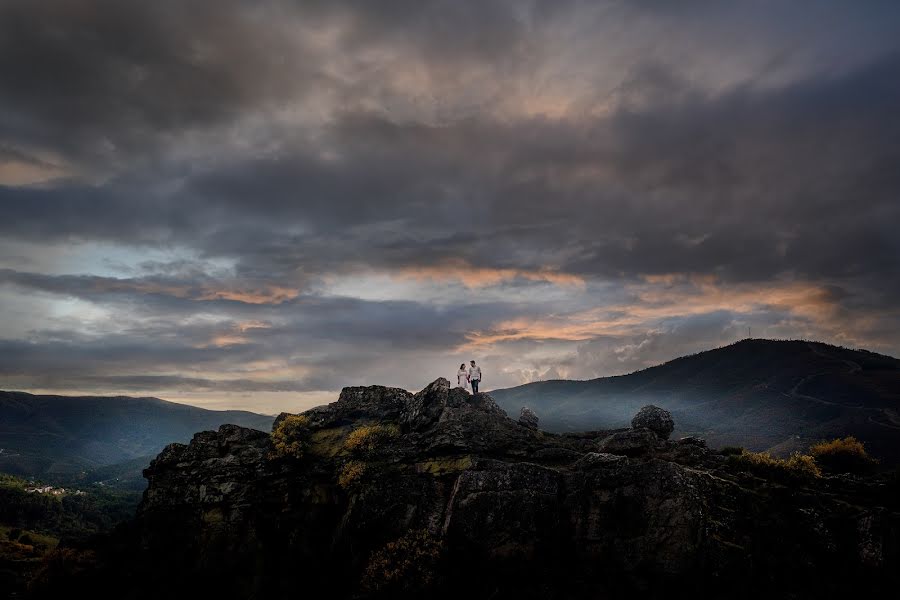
[
  {"x": 328, "y": 442},
  {"x": 439, "y": 466},
  {"x": 214, "y": 515}
]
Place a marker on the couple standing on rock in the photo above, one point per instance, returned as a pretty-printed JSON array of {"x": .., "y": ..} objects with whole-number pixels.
[{"x": 472, "y": 376}]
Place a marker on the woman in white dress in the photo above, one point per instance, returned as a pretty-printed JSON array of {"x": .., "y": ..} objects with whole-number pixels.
[{"x": 462, "y": 376}]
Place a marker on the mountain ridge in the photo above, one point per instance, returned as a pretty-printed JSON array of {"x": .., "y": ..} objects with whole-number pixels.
[
  {"x": 762, "y": 394},
  {"x": 45, "y": 435},
  {"x": 744, "y": 341}
]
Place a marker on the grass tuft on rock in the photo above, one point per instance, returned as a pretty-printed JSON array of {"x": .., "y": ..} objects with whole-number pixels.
[
  {"x": 370, "y": 437},
  {"x": 763, "y": 463}
]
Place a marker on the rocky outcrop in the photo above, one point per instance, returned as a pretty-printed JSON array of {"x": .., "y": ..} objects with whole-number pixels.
[
  {"x": 633, "y": 442},
  {"x": 440, "y": 494},
  {"x": 527, "y": 418},
  {"x": 657, "y": 420}
]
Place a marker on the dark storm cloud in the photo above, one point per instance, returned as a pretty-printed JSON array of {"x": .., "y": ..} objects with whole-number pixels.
[
  {"x": 746, "y": 186},
  {"x": 668, "y": 189},
  {"x": 102, "y": 80},
  {"x": 191, "y": 286}
]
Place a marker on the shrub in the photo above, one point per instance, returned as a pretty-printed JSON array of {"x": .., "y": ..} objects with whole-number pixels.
[
  {"x": 351, "y": 473},
  {"x": 407, "y": 566},
  {"x": 369, "y": 437},
  {"x": 731, "y": 450},
  {"x": 801, "y": 465},
  {"x": 288, "y": 437},
  {"x": 842, "y": 455}
]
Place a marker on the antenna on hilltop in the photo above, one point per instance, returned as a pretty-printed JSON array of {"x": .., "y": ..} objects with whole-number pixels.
[{"x": 749, "y": 337}]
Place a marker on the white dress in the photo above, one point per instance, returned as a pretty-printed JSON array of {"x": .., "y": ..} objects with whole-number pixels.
[{"x": 462, "y": 378}]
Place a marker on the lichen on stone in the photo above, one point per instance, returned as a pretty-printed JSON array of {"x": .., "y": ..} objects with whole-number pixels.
[
  {"x": 351, "y": 473},
  {"x": 439, "y": 466}
]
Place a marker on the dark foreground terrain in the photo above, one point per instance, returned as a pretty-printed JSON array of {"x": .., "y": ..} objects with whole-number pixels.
[
  {"x": 440, "y": 494},
  {"x": 36, "y": 516}
]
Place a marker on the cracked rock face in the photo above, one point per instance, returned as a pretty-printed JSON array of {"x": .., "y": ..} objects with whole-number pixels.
[
  {"x": 657, "y": 420},
  {"x": 501, "y": 509},
  {"x": 633, "y": 442}
]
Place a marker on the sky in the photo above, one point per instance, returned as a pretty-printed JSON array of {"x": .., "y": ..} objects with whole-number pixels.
[{"x": 251, "y": 205}]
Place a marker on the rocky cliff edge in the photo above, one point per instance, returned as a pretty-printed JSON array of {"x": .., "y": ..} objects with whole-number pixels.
[{"x": 439, "y": 493}]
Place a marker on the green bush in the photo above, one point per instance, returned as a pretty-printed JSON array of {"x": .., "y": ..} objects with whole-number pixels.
[
  {"x": 369, "y": 437},
  {"x": 405, "y": 567},
  {"x": 842, "y": 455},
  {"x": 797, "y": 465},
  {"x": 70, "y": 515},
  {"x": 289, "y": 436}
]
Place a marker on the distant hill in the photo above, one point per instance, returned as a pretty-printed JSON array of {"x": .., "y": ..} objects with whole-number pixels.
[
  {"x": 761, "y": 394},
  {"x": 47, "y": 436}
]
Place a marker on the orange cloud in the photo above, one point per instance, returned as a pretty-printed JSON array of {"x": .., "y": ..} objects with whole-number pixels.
[
  {"x": 19, "y": 172},
  {"x": 666, "y": 297},
  {"x": 262, "y": 371},
  {"x": 235, "y": 334},
  {"x": 471, "y": 276},
  {"x": 270, "y": 294},
  {"x": 262, "y": 294}
]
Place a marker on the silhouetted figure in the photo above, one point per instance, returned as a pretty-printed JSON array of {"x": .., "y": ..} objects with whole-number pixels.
[
  {"x": 462, "y": 376},
  {"x": 474, "y": 377}
]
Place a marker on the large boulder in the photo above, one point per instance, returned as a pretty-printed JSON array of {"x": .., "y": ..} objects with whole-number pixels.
[
  {"x": 216, "y": 467},
  {"x": 478, "y": 423},
  {"x": 527, "y": 418},
  {"x": 368, "y": 403},
  {"x": 485, "y": 403},
  {"x": 425, "y": 407},
  {"x": 692, "y": 440},
  {"x": 658, "y": 420}
]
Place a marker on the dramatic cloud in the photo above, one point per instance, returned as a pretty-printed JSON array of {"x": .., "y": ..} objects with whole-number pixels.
[{"x": 254, "y": 204}]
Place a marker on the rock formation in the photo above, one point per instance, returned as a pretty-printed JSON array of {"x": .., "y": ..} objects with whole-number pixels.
[
  {"x": 633, "y": 442},
  {"x": 527, "y": 418},
  {"x": 656, "y": 419},
  {"x": 439, "y": 494}
]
